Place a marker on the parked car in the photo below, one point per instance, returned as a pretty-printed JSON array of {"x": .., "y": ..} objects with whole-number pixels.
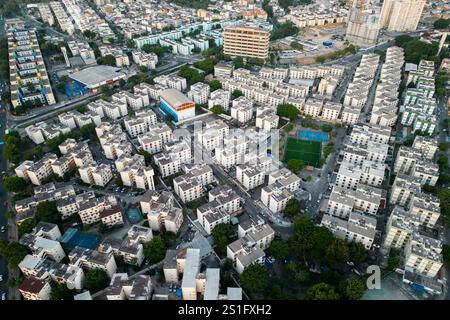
[{"x": 3, "y": 296}]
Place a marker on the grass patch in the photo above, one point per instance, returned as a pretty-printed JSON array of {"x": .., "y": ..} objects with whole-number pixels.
[{"x": 307, "y": 151}]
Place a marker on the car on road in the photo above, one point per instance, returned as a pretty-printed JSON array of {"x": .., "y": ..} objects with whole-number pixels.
[
  {"x": 3, "y": 296},
  {"x": 1, "y": 277},
  {"x": 3, "y": 229}
]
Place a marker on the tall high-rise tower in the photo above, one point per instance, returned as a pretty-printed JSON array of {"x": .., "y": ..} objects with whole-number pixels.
[{"x": 401, "y": 15}]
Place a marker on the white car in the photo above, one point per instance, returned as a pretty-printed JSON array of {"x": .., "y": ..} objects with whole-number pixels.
[
  {"x": 1, "y": 277},
  {"x": 4, "y": 296}
]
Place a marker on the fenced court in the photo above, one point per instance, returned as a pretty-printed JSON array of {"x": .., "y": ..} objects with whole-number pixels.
[
  {"x": 73, "y": 238},
  {"x": 313, "y": 136},
  {"x": 134, "y": 215},
  {"x": 307, "y": 151}
]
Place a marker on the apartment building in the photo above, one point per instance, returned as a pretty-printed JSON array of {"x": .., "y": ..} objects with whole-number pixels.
[
  {"x": 134, "y": 172},
  {"x": 220, "y": 97},
  {"x": 148, "y": 60},
  {"x": 154, "y": 139},
  {"x": 403, "y": 189},
  {"x": 162, "y": 212},
  {"x": 123, "y": 288},
  {"x": 140, "y": 123},
  {"x": 113, "y": 140},
  {"x": 43, "y": 247},
  {"x": 35, "y": 289},
  {"x": 82, "y": 49},
  {"x": 90, "y": 210},
  {"x": 254, "y": 237},
  {"x": 423, "y": 254},
  {"x": 357, "y": 228},
  {"x": 95, "y": 174},
  {"x": 40, "y": 131},
  {"x": 190, "y": 185},
  {"x": 281, "y": 187},
  {"x": 169, "y": 161},
  {"x": 93, "y": 259},
  {"x": 36, "y": 172},
  {"x": 401, "y": 15},
  {"x": 266, "y": 118},
  {"x": 349, "y": 174},
  {"x": 250, "y": 176},
  {"x": 199, "y": 93},
  {"x": 29, "y": 82},
  {"x": 247, "y": 41},
  {"x": 64, "y": 22},
  {"x": 363, "y": 133},
  {"x": 73, "y": 119},
  {"x": 132, "y": 253},
  {"x": 112, "y": 110},
  {"x": 242, "y": 109}
]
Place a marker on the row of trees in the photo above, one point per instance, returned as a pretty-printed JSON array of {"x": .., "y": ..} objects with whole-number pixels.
[{"x": 351, "y": 49}]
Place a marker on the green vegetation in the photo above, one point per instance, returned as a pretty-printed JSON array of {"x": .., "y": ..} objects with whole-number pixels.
[
  {"x": 289, "y": 127},
  {"x": 393, "y": 260},
  {"x": 441, "y": 24},
  {"x": 157, "y": 49},
  {"x": 155, "y": 250},
  {"x": 283, "y": 30},
  {"x": 440, "y": 82},
  {"x": 12, "y": 251},
  {"x": 96, "y": 280},
  {"x": 416, "y": 50},
  {"x": 295, "y": 165},
  {"x": 221, "y": 235},
  {"x": 12, "y": 150},
  {"x": 89, "y": 34},
  {"x": 206, "y": 65},
  {"x": 443, "y": 146},
  {"x": 322, "y": 291},
  {"x": 61, "y": 292},
  {"x": 351, "y": 49},
  {"x": 292, "y": 208},
  {"x": 215, "y": 85},
  {"x": 14, "y": 184},
  {"x": 191, "y": 75},
  {"x": 354, "y": 288},
  {"x": 278, "y": 249},
  {"x": 236, "y": 94},
  {"x": 26, "y": 226},
  {"x": 107, "y": 60},
  {"x": 444, "y": 198},
  {"x": 254, "y": 278},
  {"x": 296, "y": 45},
  {"x": 195, "y": 4},
  {"x": 287, "y": 110},
  {"x": 307, "y": 151},
  {"x": 48, "y": 212},
  {"x": 217, "y": 109}
]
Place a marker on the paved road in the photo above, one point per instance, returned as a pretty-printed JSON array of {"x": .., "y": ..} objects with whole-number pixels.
[{"x": 3, "y": 197}]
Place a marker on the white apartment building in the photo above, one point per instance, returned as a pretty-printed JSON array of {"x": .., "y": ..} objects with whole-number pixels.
[
  {"x": 189, "y": 186},
  {"x": 199, "y": 93}
]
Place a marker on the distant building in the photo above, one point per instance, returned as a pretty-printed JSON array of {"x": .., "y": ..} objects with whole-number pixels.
[
  {"x": 247, "y": 41},
  {"x": 401, "y": 15}
]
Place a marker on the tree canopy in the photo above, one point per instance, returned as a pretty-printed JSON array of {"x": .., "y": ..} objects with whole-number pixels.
[
  {"x": 322, "y": 291},
  {"x": 191, "y": 75},
  {"x": 12, "y": 251},
  {"x": 278, "y": 249},
  {"x": 236, "y": 93},
  {"x": 96, "y": 280},
  {"x": 61, "y": 292},
  {"x": 47, "y": 211},
  {"x": 292, "y": 208},
  {"x": 295, "y": 165},
  {"x": 215, "y": 84},
  {"x": 217, "y": 109},
  {"x": 155, "y": 250},
  {"x": 221, "y": 235},
  {"x": 14, "y": 184},
  {"x": 254, "y": 278},
  {"x": 287, "y": 110},
  {"x": 354, "y": 288}
]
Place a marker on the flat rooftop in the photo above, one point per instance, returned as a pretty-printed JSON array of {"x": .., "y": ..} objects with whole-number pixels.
[{"x": 95, "y": 75}]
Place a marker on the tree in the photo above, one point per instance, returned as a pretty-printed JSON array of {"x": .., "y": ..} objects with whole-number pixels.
[
  {"x": 14, "y": 184},
  {"x": 143, "y": 69},
  {"x": 106, "y": 90},
  {"x": 354, "y": 288},
  {"x": 326, "y": 128},
  {"x": 221, "y": 235},
  {"x": 337, "y": 252},
  {"x": 446, "y": 253},
  {"x": 300, "y": 242},
  {"x": 227, "y": 264},
  {"x": 287, "y": 110},
  {"x": 278, "y": 249},
  {"x": 89, "y": 34},
  {"x": 217, "y": 109},
  {"x": 206, "y": 65},
  {"x": 394, "y": 259},
  {"x": 254, "y": 278},
  {"x": 441, "y": 24},
  {"x": 284, "y": 30},
  {"x": 321, "y": 239},
  {"x": 88, "y": 131},
  {"x": 295, "y": 165},
  {"x": 238, "y": 62},
  {"x": 322, "y": 291},
  {"x": 236, "y": 93},
  {"x": 289, "y": 127},
  {"x": 155, "y": 250},
  {"x": 26, "y": 226},
  {"x": 296, "y": 45},
  {"x": 47, "y": 211},
  {"x": 157, "y": 49},
  {"x": 191, "y": 75},
  {"x": 38, "y": 151},
  {"x": 96, "y": 280},
  {"x": 12, "y": 251},
  {"x": 215, "y": 84},
  {"x": 107, "y": 60},
  {"x": 358, "y": 252},
  {"x": 292, "y": 208},
  {"x": 61, "y": 292}
]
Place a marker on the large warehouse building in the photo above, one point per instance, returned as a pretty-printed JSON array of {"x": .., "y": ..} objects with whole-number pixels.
[
  {"x": 176, "y": 104},
  {"x": 93, "y": 78}
]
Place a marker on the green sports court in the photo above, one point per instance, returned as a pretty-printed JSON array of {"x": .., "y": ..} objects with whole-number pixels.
[{"x": 307, "y": 151}]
